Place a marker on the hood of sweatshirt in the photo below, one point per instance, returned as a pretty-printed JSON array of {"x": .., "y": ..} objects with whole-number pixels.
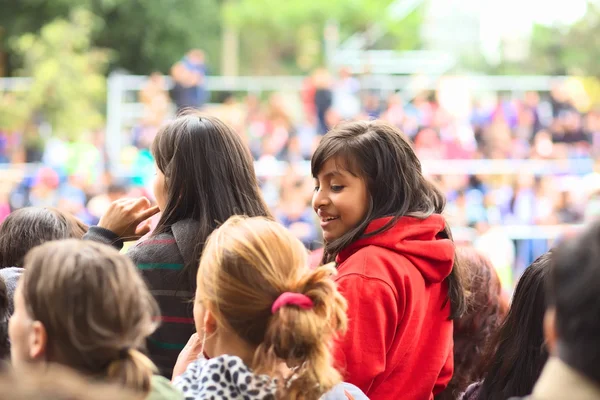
[{"x": 419, "y": 240}]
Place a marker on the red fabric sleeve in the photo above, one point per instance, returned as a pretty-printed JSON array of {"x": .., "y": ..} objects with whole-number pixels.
[
  {"x": 445, "y": 374},
  {"x": 373, "y": 319}
]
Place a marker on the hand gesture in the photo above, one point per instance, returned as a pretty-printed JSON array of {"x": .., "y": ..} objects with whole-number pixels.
[{"x": 129, "y": 218}]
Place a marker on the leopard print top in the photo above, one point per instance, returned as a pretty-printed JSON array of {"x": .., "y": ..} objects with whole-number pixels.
[{"x": 225, "y": 377}]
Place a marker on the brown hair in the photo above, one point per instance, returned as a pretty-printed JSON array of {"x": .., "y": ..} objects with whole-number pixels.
[
  {"x": 209, "y": 176},
  {"x": 380, "y": 154},
  {"x": 95, "y": 307},
  {"x": 475, "y": 329},
  {"x": 247, "y": 264},
  {"x": 28, "y": 227}
]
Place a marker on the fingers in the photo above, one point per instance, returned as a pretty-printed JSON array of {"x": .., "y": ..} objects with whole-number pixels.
[
  {"x": 144, "y": 215},
  {"x": 143, "y": 229}
]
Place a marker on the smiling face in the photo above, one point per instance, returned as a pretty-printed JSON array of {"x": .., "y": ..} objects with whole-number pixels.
[{"x": 340, "y": 200}]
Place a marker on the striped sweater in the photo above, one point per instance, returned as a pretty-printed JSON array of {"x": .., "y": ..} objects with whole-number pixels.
[{"x": 161, "y": 259}]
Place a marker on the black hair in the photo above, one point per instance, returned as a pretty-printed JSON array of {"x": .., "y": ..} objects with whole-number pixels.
[
  {"x": 209, "y": 177},
  {"x": 573, "y": 294},
  {"x": 29, "y": 227},
  {"x": 517, "y": 353},
  {"x": 380, "y": 154}
]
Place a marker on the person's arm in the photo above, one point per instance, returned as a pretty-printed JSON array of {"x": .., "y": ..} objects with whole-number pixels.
[{"x": 373, "y": 318}]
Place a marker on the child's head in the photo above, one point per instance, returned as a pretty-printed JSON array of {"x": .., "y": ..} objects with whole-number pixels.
[
  {"x": 84, "y": 305},
  {"x": 204, "y": 173},
  {"x": 473, "y": 331},
  {"x": 29, "y": 227},
  {"x": 257, "y": 296},
  {"x": 363, "y": 171},
  {"x": 517, "y": 353}
]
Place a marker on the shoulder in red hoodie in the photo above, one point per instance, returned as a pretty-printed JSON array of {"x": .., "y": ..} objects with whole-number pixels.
[{"x": 399, "y": 343}]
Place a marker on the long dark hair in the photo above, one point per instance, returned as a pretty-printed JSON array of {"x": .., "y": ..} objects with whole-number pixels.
[
  {"x": 517, "y": 354},
  {"x": 381, "y": 154},
  {"x": 473, "y": 331},
  {"x": 29, "y": 227},
  {"x": 209, "y": 176}
]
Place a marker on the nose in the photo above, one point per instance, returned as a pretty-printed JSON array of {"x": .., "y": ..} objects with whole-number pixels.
[{"x": 320, "y": 199}]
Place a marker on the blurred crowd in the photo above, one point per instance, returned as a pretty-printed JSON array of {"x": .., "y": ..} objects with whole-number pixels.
[{"x": 283, "y": 129}]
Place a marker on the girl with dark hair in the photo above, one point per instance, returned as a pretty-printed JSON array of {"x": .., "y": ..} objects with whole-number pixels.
[
  {"x": 382, "y": 224},
  {"x": 473, "y": 331},
  {"x": 518, "y": 352},
  {"x": 204, "y": 175}
]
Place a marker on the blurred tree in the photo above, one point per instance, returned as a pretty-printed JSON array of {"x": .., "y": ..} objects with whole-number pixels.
[
  {"x": 146, "y": 35},
  {"x": 283, "y": 36},
  {"x": 67, "y": 90},
  {"x": 560, "y": 50}
]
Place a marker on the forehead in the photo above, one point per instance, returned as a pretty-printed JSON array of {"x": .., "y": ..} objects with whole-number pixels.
[{"x": 335, "y": 166}]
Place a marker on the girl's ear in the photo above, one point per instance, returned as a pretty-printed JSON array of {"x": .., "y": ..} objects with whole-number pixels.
[
  {"x": 550, "y": 330},
  {"x": 210, "y": 323},
  {"x": 38, "y": 341}
]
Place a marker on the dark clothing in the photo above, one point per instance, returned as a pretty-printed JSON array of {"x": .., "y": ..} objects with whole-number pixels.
[
  {"x": 323, "y": 102},
  {"x": 161, "y": 260}
]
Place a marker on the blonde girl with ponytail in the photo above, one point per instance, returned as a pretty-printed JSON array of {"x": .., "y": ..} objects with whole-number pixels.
[
  {"x": 265, "y": 321},
  {"x": 84, "y": 306}
]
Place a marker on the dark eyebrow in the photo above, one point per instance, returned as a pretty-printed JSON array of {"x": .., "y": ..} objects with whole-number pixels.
[{"x": 332, "y": 174}]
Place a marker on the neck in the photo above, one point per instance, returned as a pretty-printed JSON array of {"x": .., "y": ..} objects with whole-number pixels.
[{"x": 230, "y": 344}]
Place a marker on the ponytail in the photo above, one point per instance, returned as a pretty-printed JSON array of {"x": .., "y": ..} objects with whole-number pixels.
[
  {"x": 303, "y": 337},
  {"x": 133, "y": 370}
]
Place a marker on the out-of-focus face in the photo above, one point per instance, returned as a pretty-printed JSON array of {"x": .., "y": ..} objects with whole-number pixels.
[
  {"x": 27, "y": 337},
  {"x": 160, "y": 190}
]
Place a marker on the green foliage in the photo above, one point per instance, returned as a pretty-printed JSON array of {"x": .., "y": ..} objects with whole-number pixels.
[
  {"x": 271, "y": 40},
  {"x": 561, "y": 50},
  {"x": 68, "y": 83},
  {"x": 146, "y": 35}
]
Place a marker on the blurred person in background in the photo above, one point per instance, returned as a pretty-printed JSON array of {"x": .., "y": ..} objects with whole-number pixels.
[
  {"x": 346, "y": 90},
  {"x": 473, "y": 331},
  {"x": 189, "y": 76},
  {"x": 323, "y": 98},
  {"x": 294, "y": 210},
  {"x": 372, "y": 105},
  {"x": 517, "y": 352},
  {"x": 394, "y": 112},
  {"x": 99, "y": 204}
]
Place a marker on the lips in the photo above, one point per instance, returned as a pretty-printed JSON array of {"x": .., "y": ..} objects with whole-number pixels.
[{"x": 326, "y": 219}]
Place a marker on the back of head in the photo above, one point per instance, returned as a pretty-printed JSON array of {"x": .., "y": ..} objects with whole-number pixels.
[
  {"x": 95, "y": 308},
  {"x": 474, "y": 329},
  {"x": 209, "y": 176},
  {"x": 382, "y": 155},
  {"x": 246, "y": 267},
  {"x": 573, "y": 295},
  {"x": 517, "y": 353},
  {"x": 28, "y": 227}
]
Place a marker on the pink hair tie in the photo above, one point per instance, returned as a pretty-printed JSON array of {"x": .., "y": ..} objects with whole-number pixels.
[{"x": 292, "y": 299}]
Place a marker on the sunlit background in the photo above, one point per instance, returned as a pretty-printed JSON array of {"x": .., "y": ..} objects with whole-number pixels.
[{"x": 501, "y": 100}]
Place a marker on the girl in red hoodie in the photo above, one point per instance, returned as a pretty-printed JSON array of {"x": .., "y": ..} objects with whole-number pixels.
[{"x": 382, "y": 224}]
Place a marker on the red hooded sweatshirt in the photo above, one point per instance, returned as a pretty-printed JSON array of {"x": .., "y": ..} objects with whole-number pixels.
[{"x": 399, "y": 343}]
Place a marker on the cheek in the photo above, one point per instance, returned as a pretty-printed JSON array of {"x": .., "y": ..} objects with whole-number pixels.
[{"x": 17, "y": 332}]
